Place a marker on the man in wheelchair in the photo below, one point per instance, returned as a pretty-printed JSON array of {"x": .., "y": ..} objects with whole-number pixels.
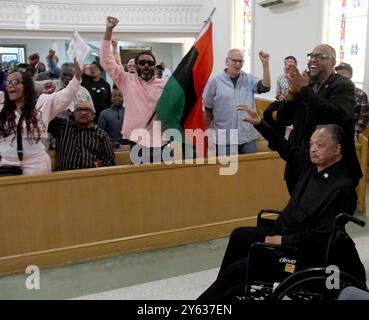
[{"x": 324, "y": 190}]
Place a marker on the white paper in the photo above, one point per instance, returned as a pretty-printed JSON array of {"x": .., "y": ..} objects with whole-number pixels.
[{"x": 78, "y": 49}]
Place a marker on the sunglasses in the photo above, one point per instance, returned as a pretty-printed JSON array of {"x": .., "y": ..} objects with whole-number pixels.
[
  {"x": 318, "y": 56},
  {"x": 150, "y": 63},
  {"x": 13, "y": 82}
]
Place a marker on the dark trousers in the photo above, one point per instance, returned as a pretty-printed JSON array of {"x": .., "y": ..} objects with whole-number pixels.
[{"x": 232, "y": 274}]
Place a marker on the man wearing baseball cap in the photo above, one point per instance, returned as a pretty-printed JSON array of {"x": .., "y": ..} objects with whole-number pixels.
[{"x": 361, "y": 100}]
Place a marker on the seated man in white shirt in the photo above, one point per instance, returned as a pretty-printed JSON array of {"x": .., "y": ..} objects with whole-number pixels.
[{"x": 166, "y": 73}]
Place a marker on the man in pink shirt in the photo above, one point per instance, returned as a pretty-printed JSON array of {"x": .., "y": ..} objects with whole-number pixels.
[{"x": 141, "y": 92}]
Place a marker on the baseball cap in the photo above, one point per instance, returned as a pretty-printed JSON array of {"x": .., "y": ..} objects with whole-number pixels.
[{"x": 344, "y": 66}]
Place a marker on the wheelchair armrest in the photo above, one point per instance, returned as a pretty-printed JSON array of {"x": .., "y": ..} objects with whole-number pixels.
[{"x": 265, "y": 222}]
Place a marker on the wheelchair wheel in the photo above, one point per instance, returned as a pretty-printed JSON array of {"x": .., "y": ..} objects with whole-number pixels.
[{"x": 310, "y": 285}]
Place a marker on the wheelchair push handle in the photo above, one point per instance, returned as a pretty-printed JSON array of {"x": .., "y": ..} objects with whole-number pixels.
[{"x": 347, "y": 217}]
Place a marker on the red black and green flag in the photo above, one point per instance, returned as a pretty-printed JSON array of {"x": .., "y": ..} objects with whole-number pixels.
[{"x": 180, "y": 105}]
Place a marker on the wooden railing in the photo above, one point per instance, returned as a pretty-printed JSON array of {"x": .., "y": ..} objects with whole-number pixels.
[{"x": 73, "y": 216}]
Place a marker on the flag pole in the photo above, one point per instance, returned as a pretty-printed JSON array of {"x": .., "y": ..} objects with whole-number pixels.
[
  {"x": 207, "y": 20},
  {"x": 203, "y": 27}
]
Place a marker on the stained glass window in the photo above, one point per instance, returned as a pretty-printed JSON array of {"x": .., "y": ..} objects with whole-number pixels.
[
  {"x": 247, "y": 32},
  {"x": 243, "y": 29},
  {"x": 347, "y": 29}
]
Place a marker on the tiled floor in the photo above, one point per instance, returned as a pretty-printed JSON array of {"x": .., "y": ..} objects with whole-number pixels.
[{"x": 175, "y": 273}]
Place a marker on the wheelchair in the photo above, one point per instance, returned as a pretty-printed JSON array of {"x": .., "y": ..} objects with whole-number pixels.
[{"x": 277, "y": 272}]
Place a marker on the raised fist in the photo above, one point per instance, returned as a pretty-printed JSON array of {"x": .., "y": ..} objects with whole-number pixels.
[
  {"x": 264, "y": 57},
  {"x": 111, "y": 22}
]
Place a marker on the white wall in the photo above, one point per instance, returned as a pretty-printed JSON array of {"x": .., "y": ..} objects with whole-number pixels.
[
  {"x": 177, "y": 55},
  {"x": 163, "y": 51},
  {"x": 221, "y": 30},
  {"x": 288, "y": 30}
]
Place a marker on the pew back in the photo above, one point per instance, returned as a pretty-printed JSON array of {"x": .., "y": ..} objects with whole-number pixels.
[{"x": 74, "y": 216}]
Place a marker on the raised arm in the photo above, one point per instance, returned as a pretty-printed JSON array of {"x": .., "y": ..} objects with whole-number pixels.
[
  {"x": 107, "y": 60},
  {"x": 276, "y": 141},
  {"x": 114, "y": 44},
  {"x": 264, "y": 58},
  {"x": 51, "y": 104}
]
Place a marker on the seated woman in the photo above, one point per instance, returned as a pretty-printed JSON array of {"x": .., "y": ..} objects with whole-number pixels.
[{"x": 23, "y": 116}]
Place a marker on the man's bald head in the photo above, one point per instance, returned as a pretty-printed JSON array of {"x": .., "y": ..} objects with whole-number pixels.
[
  {"x": 67, "y": 72},
  {"x": 235, "y": 51}
]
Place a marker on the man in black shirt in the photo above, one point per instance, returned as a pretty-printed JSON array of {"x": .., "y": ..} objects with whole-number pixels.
[
  {"x": 323, "y": 190},
  {"x": 317, "y": 96},
  {"x": 79, "y": 143}
]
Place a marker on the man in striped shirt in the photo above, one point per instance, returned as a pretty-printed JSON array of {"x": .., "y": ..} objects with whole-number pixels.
[
  {"x": 79, "y": 143},
  {"x": 361, "y": 100}
]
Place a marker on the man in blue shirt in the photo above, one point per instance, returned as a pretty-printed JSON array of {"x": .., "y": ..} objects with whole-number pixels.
[{"x": 221, "y": 97}]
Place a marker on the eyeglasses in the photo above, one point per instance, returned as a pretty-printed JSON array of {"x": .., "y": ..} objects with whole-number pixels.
[
  {"x": 236, "y": 61},
  {"x": 83, "y": 110},
  {"x": 318, "y": 56},
  {"x": 143, "y": 62},
  {"x": 13, "y": 82}
]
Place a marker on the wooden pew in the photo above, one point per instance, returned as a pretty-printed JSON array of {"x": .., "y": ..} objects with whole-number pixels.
[
  {"x": 262, "y": 104},
  {"x": 74, "y": 216},
  {"x": 122, "y": 157},
  {"x": 362, "y": 153}
]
